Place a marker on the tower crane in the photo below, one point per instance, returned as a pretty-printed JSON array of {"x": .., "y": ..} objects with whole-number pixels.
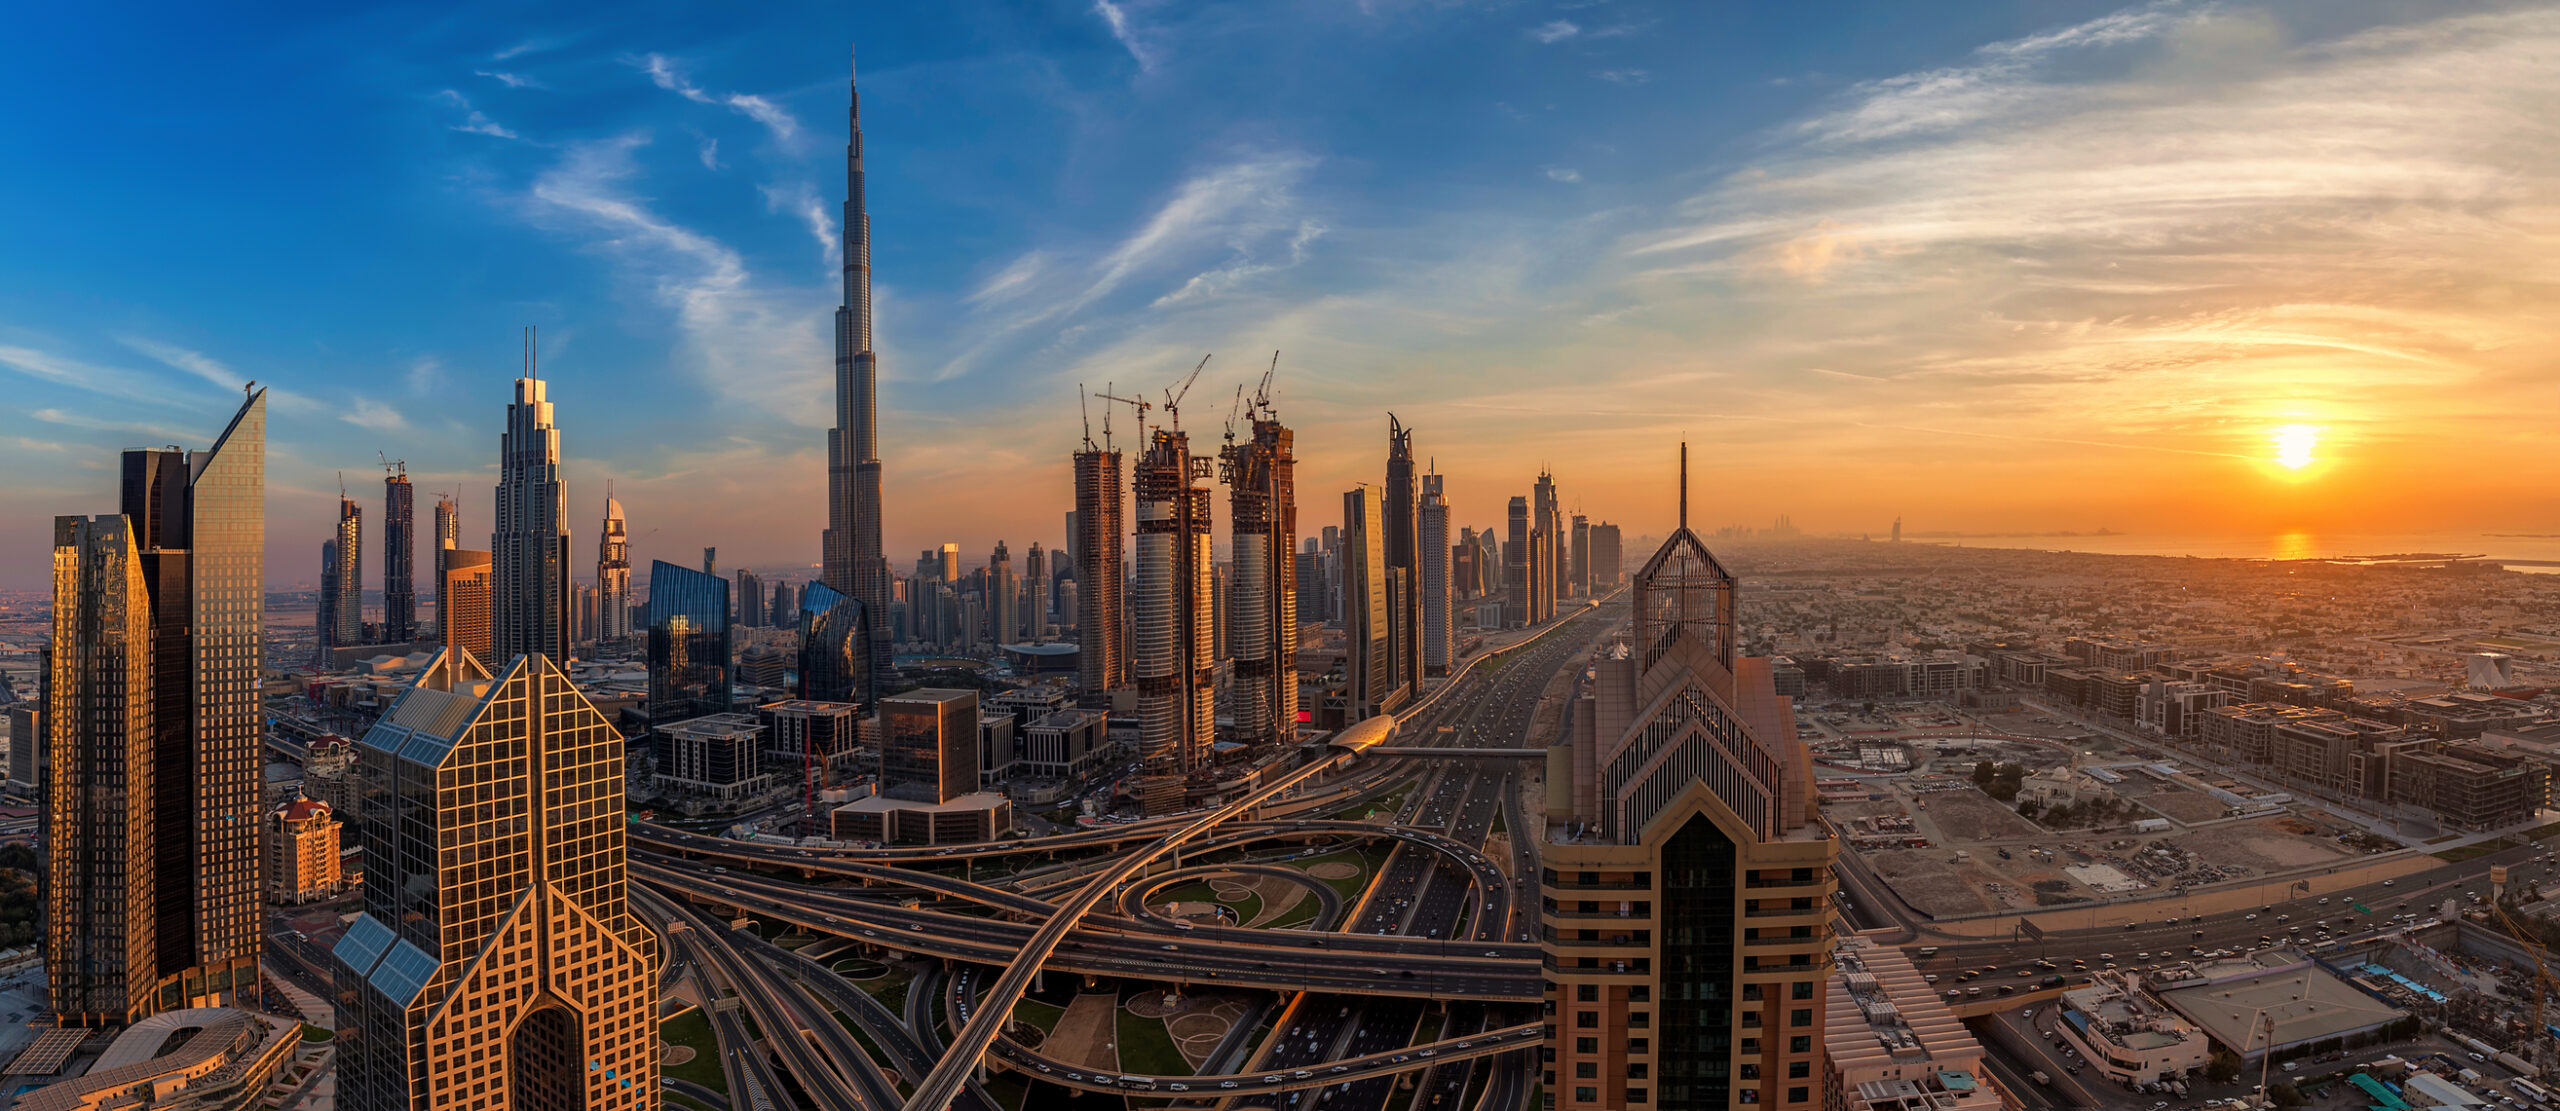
[
  {"x": 1140, "y": 403},
  {"x": 1235, "y": 411},
  {"x": 1262, "y": 393},
  {"x": 2546, "y": 1055},
  {"x": 390, "y": 465},
  {"x": 1086, "y": 412},
  {"x": 1173, "y": 394}
]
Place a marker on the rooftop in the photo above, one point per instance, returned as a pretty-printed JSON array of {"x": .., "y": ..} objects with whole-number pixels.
[{"x": 2305, "y": 1002}]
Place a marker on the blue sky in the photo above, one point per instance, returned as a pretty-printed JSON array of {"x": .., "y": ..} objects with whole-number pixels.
[{"x": 1994, "y": 265}]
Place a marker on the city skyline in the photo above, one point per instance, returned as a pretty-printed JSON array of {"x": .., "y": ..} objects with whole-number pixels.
[{"x": 2107, "y": 375}]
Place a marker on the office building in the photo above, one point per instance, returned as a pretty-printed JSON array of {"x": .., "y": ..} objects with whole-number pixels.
[
  {"x": 1367, "y": 606},
  {"x": 689, "y": 644},
  {"x": 302, "y": 853},
  {"x": 1404, "y": 605},
  {"x": 463, "y": 602},
  {"x": 325, "y": 622},
  {"x": 1035, "y": 594},
  {"x": 504, "y": 967},
  {"x": 1578, "y": 561},
  {"x": 345, "y": 583},
  {"x": 1686, "y": 886},
  {"x": 1547, "y": 522},
  {"x": 715, "y": 758},
  {"x": 711, "y": 561},
  {"x": 1172, "y": 664},
  {"x": 1516, "y": 607},
  {"x": 929, "y": 744},
  {"x": 613, "y": 575},
  {"x": 1004, "y": 592},
  {"x": 783, "y": 611},
  {"x": 2128, "y": 1037},
  {"x": 448, "y": 534},
  {"x": 750, "y": 600},
  {"x": 1262, "y": 590},
  {"x": 801, "y": 735},
  {"x": 529, "y": 549},
  {"x": 1489, "y": 561},
  {"x": 399, "y": 559},
  {"x": 1431, "y": 546},
  {"x": 1064, "y": 744},
  {"x": 835, "y": 665},
  {"x": 152, "y": 730},
  {"x": 852, "y": 560},
  {"x": 998, "y": 746},
  {"x": 1608, "y": 559},
  {"x": 1102, "y": 652}
]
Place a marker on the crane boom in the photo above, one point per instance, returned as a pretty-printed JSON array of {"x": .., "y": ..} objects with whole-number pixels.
[{"x": 1173, "y": 396}]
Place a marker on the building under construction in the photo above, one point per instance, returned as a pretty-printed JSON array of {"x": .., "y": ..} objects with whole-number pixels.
[
  {"x": 1262, "y": 600},
  {"x": 1173, "y": 662},
  {"x": 1102, "y": 648}
]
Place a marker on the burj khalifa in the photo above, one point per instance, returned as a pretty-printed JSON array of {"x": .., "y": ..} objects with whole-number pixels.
[{"x": 851, "y": 546}]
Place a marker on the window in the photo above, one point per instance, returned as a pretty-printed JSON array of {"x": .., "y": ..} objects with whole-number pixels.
[
  {"x": 1638, "y": 1020},
  {"x": 1800, "y": 1044},
  {"x": 1635, "y": 1095},
  {"x": 1750, "y": 1070},
  {"x": 1640, "y": 993},
  {"x": 1801, "y": 989},
  {"x": 1586, "y": 993},
  {"x": 1585, "y": 1095},
  {"x": 1586, "y": 1020},
  {"x": 1799, "y": 1070},
  {"x": 1586, "y": 1045},
  {"x": 1751, "y": 1019},
  {"x": 1586, "y": 1070},
  {"x": 1639, "y": 1045},
  {"x": 1751, "y": 993},
  {"x": 1798, "y": 1094},
  {"x": 1801, "y": 1016}
]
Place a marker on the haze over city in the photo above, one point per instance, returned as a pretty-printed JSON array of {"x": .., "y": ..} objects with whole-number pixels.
[{"x": 2175, "y": 270}]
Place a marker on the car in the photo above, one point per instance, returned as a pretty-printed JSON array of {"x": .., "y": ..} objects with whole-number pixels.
[
  {"x": 1178, "y": 1087},
  {"x": 2029, "y": 1013},
  {"x": 1274, "y": 1078},
  {"x": 1973, "y": 991},
  {"x": 1341, "y": 1068},
  {"x": 1302, "y": 1074},
  {"x": 2250, "y": 918},
  {"x": 1043, "y": 1068},
  {"x": 1226, "y": 1083},
  {"x": 1075, "y": 1076},
  {"x": 1429, "y": 1053},
  {"x": 2386, "y": 883},
  {"x": 2324, "y": 900}
]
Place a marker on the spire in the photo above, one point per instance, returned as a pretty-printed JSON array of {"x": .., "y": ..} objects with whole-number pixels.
[{"x": 1684, "y": 484}]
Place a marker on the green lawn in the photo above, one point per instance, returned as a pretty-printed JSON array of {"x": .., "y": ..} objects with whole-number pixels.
[
  {"x": 1299, "y": 915},
  {"x": 1032, "y": 1012},
  {"x": 693, "y": 1029},
  {"x": 312, "y": 1033},
  {"x": 1361, "y": 859},
  {"x": 1146, "y": 1047},
  {"x": 2484, "y": 848}
]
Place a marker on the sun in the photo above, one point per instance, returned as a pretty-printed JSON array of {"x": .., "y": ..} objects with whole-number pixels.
[{"x": 2294, "y": 443}]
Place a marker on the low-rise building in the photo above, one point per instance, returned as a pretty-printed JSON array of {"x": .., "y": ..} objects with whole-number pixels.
[
  {"x": 2470, "y": 785},
  {"x": 1890, "y": 1044},
  {"x": 1066, "y": 744},
  {"x": 973, "y": 817},
  {"x": 713, "y": 758},
  {"x": 303, "y": 853},
  {"x": 197, "y": 1059},
  {"x": 2128, "y": 1036}
]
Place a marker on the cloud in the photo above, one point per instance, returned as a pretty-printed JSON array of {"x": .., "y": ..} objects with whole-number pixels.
[
  {"x": 747, "y": 341},
  {"x": 710, "y": 152},
  {"x": 63, "y": 371},
  {"x": 157, "y": 432},
  {"x": 1116, "y": 17},
  {"x": 426, "y": 372},
  {"x": 206, "y": 367},
  {"x": 511, "y": 80},
  {"x": 1554, "y": 31},
  {"x": 1563, "y": 173},
  {"x": 1016, "y": 277},
  {"x": 664, "y": 73},
  {"x": 365, "y": 412},
  {"x": 1245, "y": 266},
  {"x": 475, "y": 122},
  {"x": 536, "y": 45},
  {"x": 1624, "y": 76},
  {"x": 801, "y": 200}
]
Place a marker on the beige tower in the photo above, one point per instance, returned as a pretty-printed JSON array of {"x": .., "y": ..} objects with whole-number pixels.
[
  {"x": 1686, "y": 886},
  {"x": 500, "y": 966}
]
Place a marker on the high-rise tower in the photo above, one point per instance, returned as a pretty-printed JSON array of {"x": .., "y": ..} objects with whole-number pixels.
[
  {"x": 1262, "y": 600},
  {"x": 1367, "y": 634},
  {"x": 1102, "y": 652},
  {"x": 1173, "y": 663},
  {"x": 851, "y": 547},
  {"x": 505, "y": 967},
  {"x": 1431, "y": 547},
  {"x": 399, "y": 559},
  {"x": 346, "y": 605},
  {"x": 529, "y": 569},
  {"x": 1692, "y": 816},
  {"x": 1035, "y": 594},
  {"x": 152, "y": 736},
  {"x": 1400, "y": 528},
  {"x": 1547, "y": 524},
  {"x": 448, "y": 535},
  {"x": 1518, "y": 602},
  {"x": 1004, "y": 593},
  {"x": 613, "y": 574}
]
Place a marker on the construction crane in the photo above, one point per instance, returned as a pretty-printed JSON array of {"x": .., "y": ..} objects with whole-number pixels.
[
  {"x": 1235, "y": 411},
  {"x": 1140, "y": 403},
  {"x": 1086, "y": 412},
  {"x": 390, "y": 465},
  {"x": 1173, "y": 394},
  {"x": 1262, "y": 393},
  {"x": 2545, "y": 1055}
]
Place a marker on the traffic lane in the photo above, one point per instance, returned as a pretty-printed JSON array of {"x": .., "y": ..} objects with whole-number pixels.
[{"x": 2025, "y": 1042}]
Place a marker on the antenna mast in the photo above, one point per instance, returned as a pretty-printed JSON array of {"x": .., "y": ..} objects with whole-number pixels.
[{"x": 1684, "y": 484}]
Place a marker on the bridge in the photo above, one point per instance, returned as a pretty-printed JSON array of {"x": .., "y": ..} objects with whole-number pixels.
[{"x": 1460, "y": 753}]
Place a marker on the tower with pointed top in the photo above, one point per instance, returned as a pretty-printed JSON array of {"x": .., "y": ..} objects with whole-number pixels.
[
  {"x": 1404, "y": 610},
  {"x": 529, "y": 569},
  {"x": 852, "y": 561},
  {"x": 613, "y": 573}
]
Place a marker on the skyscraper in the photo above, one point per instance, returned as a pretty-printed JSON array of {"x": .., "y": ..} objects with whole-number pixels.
[
  {"x": 399, "y": 559},
  {"x": 1547, "y": 523},
  {"x": 1367, "y": 635},
  {"x": 1035, "y": 594},
  {"x": 153, "y": 724},
  {"x": 781, "y": 611},
  {"x": 1692, "y": 818},
  {"x": 1400, "y": 531},
  {"x": 464, "y": 611},
  {"x": 529, "y": 568},
  {"x": 346, "y": 605},
  {"x": 1579, "y": 562},
  {"x": 1608, "y": 559},
  {"x": 929, "y": 745},
  {"x": 750, "y": 599},
  {"x": 853, "y": 561},
  {"x": 1173, "y": 665},
  {"x": 1004, "y": 613},
  {"x": 689, "y": 644},
  {"x": 1516, "y": 601},
  {"x": 1431, "y": 547},
  {"x": 1102, "y": 656},
  {"x": 613, "y": 574},
  {"x": 835, "y": 645},
  {"x": 1262, "y": 604},
  {"x": 504, "y": 969},
  {"x": 448, "y": 526},
  {"x": 325, "y": 627}
]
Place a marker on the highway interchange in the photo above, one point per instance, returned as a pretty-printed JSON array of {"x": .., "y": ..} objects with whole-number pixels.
[{"x": 1426, "y": 977}]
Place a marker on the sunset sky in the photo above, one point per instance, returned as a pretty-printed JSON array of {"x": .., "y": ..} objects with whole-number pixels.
[{"x": 2187, "y": 269}]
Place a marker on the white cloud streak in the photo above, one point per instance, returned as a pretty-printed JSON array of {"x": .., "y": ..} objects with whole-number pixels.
[
  {"x": 1116, "y": 17},
  {"x": 510, "y": 80},
  {"x": 1554, "y": 31},
  {"x": 664, "y": 73},
  {"x": 365, "y": 412}
]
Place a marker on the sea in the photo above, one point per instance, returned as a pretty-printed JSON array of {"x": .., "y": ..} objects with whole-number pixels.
[{"x": 2522, "y": 552}]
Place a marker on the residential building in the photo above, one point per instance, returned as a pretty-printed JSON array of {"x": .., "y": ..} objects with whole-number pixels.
[
  {"x": 399, "y": 559},
  {"x": 1431, "y": 526},
  {"x": 152, "y": 724},
  {"x": 801, "y": 734},
  {"x": 1890, "y": 1044},
  {"x": 2470, "y": 785},
  {"x": 613, "y": 575},
  {"x": 1399, "y": 528},
  {"x": 499, "y": 965},
  {"x": 302, "y": 853},
  {"x": 1172, "y": 661},
  {"x": 1368, "y": 605},
  {"x": 1516, "y": 602},
  {"x": 463, "y": 603},
  {"x": 715, "y": 758},
  {"x": 345, "y": 582}
]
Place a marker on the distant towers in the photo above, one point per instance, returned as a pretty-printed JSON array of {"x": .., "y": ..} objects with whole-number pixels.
[
  {"x": 1578, "y": 560},
  {"x": 448, "y": 535},
  {"x": 1035, "y": 594},
  {"x": 1102, "y": 650},
  {"x": 1004, "y": 616},
  {"x": 1404, "y": 607},
  {"x": 1173, "y": 662},
  {"x": 529, "y": 542},
  {"x": 399, "y": 556},
  {"x": 346, "y": 600},
  {"x": 1547, "y": 530},
  {"x": 613, "y": 574},
  {"x": 1366, "y": 604},
  {"x": 1517, "y": 600},
  {"x": 1262, "y": 599},
  {"x": 1431, "y": 544},
  {"x": 1897, "y": 530}
]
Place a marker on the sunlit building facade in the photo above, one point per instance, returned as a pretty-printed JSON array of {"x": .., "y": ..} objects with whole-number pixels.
[
  {"x": 689, "y": 644},
  {"x": 835, "y": 664}
]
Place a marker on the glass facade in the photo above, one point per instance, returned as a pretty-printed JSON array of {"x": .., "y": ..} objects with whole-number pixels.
[
  {"x": 835, "y": 635},
  {"x": 689, "y": 661},
  {"x": 1696, "y": 1040}
]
